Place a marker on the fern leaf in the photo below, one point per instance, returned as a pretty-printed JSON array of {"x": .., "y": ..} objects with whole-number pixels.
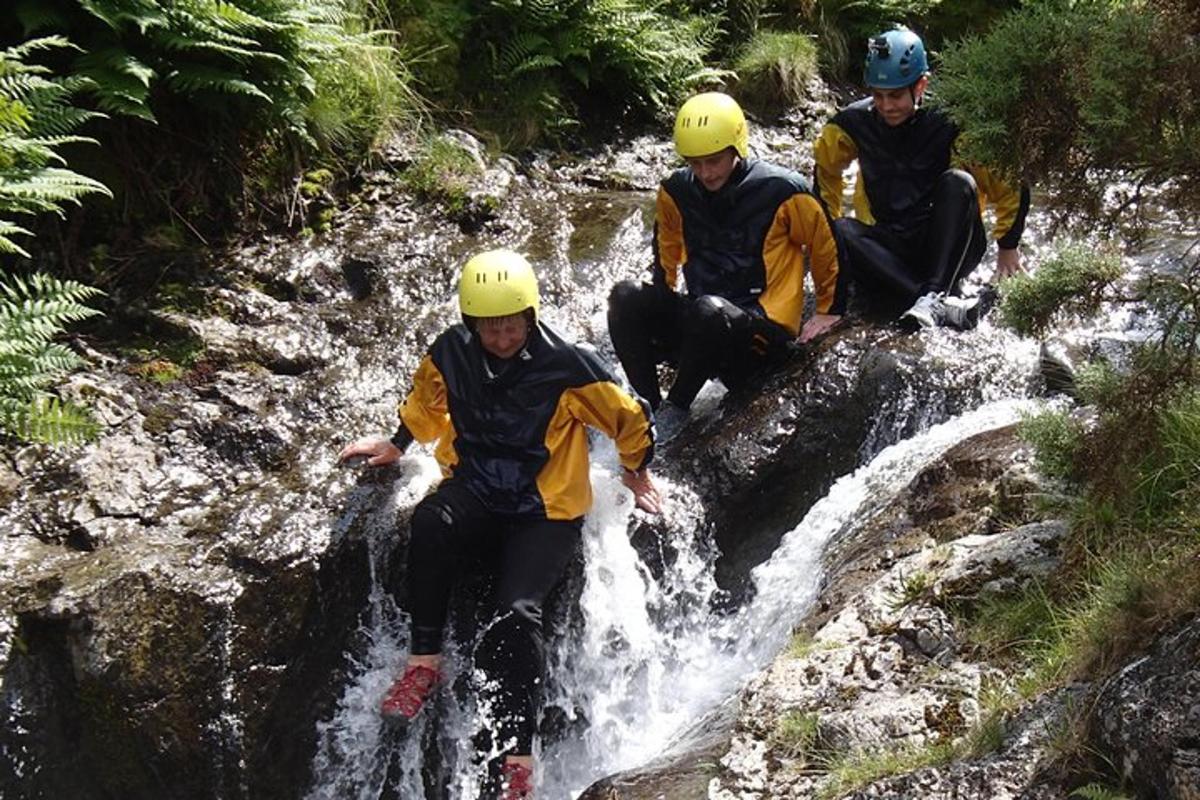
[
  {"x": 21, "y": 51},
  {"x": 116, "y": 61},
  {"x": 48, "y": 419},
  {"x": 7, "y": 245},
  {"x": 143, "y": 14},
  {"x": 49, "y": 185},
  {"x": 196, "y": 78}
]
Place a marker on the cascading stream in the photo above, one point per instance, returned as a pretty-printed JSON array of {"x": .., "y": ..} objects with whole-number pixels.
[
  {"x": 652, "y": 655},
  {"x": 652, "y": 650}
]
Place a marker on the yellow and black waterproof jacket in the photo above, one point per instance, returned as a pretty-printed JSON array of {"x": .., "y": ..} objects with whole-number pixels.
[
  {"x": 898, "y": 167},
  {"x": 518, "y": 439},
  {"x": 746, "y": 242}
]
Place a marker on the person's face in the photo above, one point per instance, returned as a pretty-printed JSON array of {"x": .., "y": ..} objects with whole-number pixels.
[
  {"x": 503, "y": 337},
  {"x": 897, "y": 106},
  {"x": 714, "y": 170}
]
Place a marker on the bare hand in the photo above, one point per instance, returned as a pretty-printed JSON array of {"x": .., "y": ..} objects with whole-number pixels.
[
  {"x": 377, "y": 451},
  {"x": 645, "y": 493},
  {"x": 818, "y": 324},
  {"x": 1008, "y": 263}
]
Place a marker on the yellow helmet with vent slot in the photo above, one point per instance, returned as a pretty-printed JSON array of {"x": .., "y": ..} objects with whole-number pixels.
[
  {"x": 498, "y": 283},
  {"x": 708, "y": 123}
]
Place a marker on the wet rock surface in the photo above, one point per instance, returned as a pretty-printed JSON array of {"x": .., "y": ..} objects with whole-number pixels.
[
  {"x": 178, "y": 598},
  {"x": 1146, "y": 720},
  {"x": 879, "y": 665}
]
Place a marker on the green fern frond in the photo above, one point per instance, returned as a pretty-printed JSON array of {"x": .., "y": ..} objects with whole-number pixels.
[
  {"x": 33, "y": 311},
  {"x": 7, "y": 245},
  {"x": 239, "y": 19},
  {"x": 142, "y": 14},
  {"x": 116, "y": 61},
  {"x": 21, "y": 85},
  {"x": 522, "y": 47},
  {"x": 53, "y": 125},
  {"x": 48, "y": 185},
  {"x": 1097, "y": 791},
  {"x": 198, "y": 78},
  {"x": 534, "y": 64},
  {"x": 30, "y": 366},
  {"x": 47, "y": 419},
  {"x": 21, "y": 51}
]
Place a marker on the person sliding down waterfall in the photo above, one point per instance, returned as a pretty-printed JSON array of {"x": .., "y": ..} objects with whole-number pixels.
[
  {"x": 739, "y": 229},
  {"x": 918, "y": 231},
  {"x": 509, "y": 402}
]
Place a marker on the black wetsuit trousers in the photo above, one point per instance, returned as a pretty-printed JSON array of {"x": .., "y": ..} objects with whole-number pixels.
[
  {"x": 452, "y": 532},
  {"x": 897, "y": 263},
  {"x": 704, "y": 337}
]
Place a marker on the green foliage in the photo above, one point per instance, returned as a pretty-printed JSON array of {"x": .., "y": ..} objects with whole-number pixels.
[
  {"x": 36, "y": 119},
  {"x": 854, "y": 770},
  {"x": 842, "y": 27},
  {"x": 1070, "y": 285},
  {"x": 796, "y": 735},
  {"x": 1098, "y": 791},
  {"x": 1077, "y": 94},
  {"x": 1056, "y": 437},
  {"x": 210, "y": 97},
  {"x": 33, "y": 312},
  {"x": 913, "y": 587},
  {"x": 442, "y": 171},
  {"x": 551, "y": 64},
  {"x": 775, "y": 70},
  {"x": 431, "y": 35}
]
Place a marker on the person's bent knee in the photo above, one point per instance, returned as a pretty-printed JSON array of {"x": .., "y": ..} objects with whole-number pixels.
[
  {"x": 625, "y": 294},
  {"x": 710, "y": 315},
  {"x": 957, "y": 181},
  {"x": 432, "y": 520}
]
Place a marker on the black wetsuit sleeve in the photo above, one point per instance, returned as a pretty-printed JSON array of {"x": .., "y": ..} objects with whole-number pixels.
[{"x": 1013, "y": 237}]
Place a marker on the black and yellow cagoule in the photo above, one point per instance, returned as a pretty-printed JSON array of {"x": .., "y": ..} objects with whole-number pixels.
[
  {"x": 708, "y": 123},
  {"x": 497, "y": 283}
]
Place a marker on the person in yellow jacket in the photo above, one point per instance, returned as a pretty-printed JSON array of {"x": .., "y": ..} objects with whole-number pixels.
[
  {"x": 509, "y": 402},
  {"x": 738, "y": 230},
  {"x": 917, "y": 231}
]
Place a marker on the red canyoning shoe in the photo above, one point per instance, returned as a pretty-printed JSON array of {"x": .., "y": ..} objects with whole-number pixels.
[
  {"x": 408, "y": 693},
  {"x": 516, "y": 782}
]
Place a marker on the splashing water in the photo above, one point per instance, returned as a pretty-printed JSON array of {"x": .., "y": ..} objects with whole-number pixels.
[{"x": 651, "y": 656}]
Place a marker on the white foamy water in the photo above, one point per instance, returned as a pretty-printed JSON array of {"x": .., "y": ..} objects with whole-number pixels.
[{"x": 652, "y": 654}]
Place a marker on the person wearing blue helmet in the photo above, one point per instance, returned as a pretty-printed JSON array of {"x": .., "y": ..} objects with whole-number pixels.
[{"x": 917, "y": 229}]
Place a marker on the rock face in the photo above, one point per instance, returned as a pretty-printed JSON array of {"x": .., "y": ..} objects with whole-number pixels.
[
  {"x": 778, "y": 447},
  {"x": 1146, "y": 721},
  {"x": 882, "y": 669},
  {"x": 178, "y": 599}
]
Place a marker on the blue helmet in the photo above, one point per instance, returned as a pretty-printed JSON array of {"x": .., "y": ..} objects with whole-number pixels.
[{"x": 895, "y": 59}]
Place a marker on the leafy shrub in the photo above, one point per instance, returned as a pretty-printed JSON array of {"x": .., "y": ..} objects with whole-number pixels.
[
  {"x": 203, "y": 94},
  {"x": 442, "y": 171},
  {"x": 774, "y": 71},
  {"x": 1056, "y": 438},
  {"x": 1072, "y": 284},
  {"x": 1078, "y": 95},
  {"x": 551, "y": 65}
]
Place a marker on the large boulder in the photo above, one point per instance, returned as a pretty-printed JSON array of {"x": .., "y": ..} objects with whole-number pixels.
[{"x": 1146, "y": 721}]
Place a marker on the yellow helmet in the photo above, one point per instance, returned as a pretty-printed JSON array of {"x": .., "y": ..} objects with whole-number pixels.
[
  {"x": 708, "y": 123},
  {"x": 498, "y": 283}
]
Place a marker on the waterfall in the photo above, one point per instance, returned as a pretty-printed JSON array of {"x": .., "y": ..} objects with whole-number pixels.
[{"x": 653, "y": 653}]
